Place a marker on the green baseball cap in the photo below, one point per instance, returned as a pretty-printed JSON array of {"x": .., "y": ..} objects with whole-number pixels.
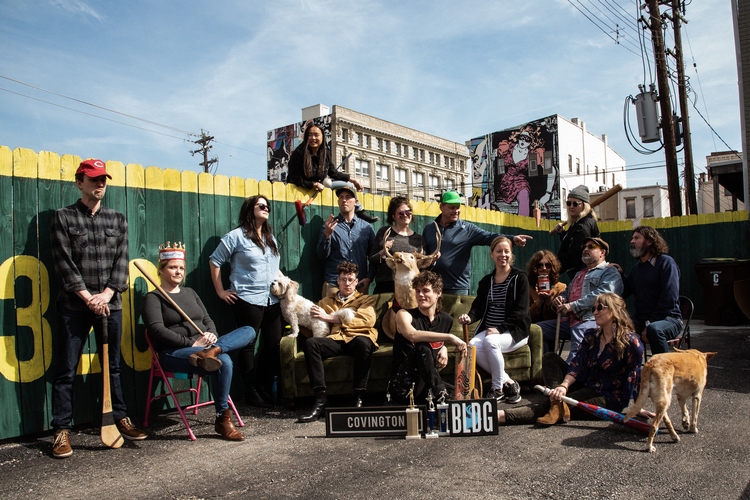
[{"x": 451, "y": 198}]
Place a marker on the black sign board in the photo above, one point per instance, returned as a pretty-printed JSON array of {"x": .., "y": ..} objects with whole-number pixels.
[
  {"x": 472, "y": 417},
  {"x": 371, "y": 422}
]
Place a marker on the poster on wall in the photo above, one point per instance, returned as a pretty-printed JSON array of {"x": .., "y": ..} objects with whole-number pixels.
[
  {"x": 283, "y": 140},
  {"x": 513, "y": 168}
]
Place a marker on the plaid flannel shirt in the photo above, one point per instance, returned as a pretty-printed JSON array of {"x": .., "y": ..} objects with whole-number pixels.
[{"x": 90, "y": 253}]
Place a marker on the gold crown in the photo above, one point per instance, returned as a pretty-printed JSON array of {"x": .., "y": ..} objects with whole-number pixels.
[
  {"x": 178, "y": 245},
  {"x": 168, "y": 251}
]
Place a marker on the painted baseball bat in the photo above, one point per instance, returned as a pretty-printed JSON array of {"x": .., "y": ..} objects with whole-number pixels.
[
  {"x": 600, "y": 412},
  {"x": 166, "y": 296},
  {"x": 601, "y": 199},
  {"x": 109, "y": 433},
  {"x": 466, "y": 370}
]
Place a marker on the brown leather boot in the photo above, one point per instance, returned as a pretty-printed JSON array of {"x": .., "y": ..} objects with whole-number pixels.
[
  {"x": 206, "y": 359},
  {"x": 558, "y": 412},
  {"x": 226, "y": 428}
]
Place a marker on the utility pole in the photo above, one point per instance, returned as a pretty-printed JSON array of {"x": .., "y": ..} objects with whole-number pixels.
[
  {"x": 667, "y": 125},
  {"x": 691, "y": 202},
  {"x": 204, "y": 142}
]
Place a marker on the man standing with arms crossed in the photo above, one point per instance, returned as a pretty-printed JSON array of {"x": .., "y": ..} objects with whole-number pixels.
[
  {"x": 459, "y": 237},
  {"x": 90, "y": 253}
]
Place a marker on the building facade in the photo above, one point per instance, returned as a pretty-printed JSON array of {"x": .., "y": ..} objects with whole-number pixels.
[
  {"x": 386, "y": 158},
  {"x": 542, "y": 161}
]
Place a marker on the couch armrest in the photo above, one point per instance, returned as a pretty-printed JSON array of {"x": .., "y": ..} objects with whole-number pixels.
[
  {"x": 287, "y": 355},
  {"x": 535, "y": 345}
]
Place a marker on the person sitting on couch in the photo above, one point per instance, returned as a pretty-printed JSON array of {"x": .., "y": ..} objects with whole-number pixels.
[
  {"x": 356, "y": 338},
  {"x": 419, "y": 351}
]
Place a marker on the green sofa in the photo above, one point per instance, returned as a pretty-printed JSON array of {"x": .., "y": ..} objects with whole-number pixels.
[{"x": 523, "y": 365}]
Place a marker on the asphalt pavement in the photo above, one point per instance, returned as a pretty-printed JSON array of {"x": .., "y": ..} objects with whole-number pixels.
[{"x": 283, "y": 459}]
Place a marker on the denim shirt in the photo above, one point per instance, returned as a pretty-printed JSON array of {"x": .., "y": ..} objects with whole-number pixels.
[
  {"x": 601, "y": 279},
  {"x": 252, "y": 270},
  {"x": 352, "y": 243}
]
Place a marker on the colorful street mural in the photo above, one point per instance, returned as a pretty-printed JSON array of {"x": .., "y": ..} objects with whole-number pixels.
[
  {"x": 513, "y": 168},
  {"x": 283, "y": 140}
]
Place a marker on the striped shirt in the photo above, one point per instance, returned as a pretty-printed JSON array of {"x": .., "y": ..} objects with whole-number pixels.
[
  {"x": 90, "y": 252},
  {"x": 496, "y": 304}
]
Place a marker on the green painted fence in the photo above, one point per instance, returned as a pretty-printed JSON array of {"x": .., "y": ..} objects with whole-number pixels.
[{"x": 198, "y": 209}]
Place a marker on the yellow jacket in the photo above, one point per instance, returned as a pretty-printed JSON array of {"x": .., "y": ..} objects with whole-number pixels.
[{"x": 364, "y": 317}]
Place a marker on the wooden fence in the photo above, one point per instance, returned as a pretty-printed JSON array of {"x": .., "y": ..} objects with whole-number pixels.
[{"x": 198, "y": 209}]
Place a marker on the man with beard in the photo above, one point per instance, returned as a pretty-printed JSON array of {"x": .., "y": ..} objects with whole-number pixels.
[
  {"x": 654, "y": 281},
  {"x": 576, "y": 302}
]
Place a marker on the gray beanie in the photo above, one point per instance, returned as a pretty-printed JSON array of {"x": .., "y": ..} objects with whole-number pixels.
[{"x": 581, "y": 192}]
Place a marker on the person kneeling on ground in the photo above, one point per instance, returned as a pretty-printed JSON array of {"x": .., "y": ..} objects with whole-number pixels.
[
  {"x": 181, "y": 348},
  {"x": 419, "y": 351},
  {"x": 605, "y": 371}
]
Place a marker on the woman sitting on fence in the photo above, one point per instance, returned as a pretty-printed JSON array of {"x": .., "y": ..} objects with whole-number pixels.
[{"x": 183, "y": 349}]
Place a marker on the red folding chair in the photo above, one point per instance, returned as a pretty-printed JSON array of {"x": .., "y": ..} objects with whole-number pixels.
[{"x": 157, "y": 372}]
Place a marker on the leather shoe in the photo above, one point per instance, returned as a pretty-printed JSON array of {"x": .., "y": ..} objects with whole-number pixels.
[
  {"x": 206, "y": 359},
  {"x": 318, "y": 410},
  {"x": 558, "y": 412},
  {"x": 253, "y": 398},
  {"x": 226, "y": 428}
]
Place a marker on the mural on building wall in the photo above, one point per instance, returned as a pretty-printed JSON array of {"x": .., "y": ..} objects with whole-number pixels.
[
  {"x": 283, "y": 140},
  {"x": 513, "y": 168}
]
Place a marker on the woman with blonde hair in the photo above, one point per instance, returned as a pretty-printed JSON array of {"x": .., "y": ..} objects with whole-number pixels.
[
  {"x": 582, "y": 225},
  {"x": 605, "y": 371}
]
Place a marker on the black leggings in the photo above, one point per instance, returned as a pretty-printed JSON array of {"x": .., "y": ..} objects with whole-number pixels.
[{"x": 266, "y": 320}]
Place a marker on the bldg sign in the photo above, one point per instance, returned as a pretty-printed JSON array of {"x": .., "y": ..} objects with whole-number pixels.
[{"x": 472, "y": 417}]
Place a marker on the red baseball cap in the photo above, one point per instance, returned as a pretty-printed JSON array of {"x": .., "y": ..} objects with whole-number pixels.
[{"x": 92, "y": 168}]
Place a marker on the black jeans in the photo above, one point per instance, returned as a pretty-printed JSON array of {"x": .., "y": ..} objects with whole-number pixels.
[
  {"x": 421, "y": 360},
  {"x": 266, "y": 321},
  {"x": 318, "y": 349}
]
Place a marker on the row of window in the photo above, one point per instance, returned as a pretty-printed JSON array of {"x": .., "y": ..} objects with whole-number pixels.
[
  {"x": 596, "y": 170},
  {"x": 648, "y": 207},
  {"x": 401, "y": 150},
  {"x": 382, "y": 173}
]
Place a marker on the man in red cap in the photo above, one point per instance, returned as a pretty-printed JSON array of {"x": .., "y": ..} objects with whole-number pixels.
[{"x": 90, "y": 253}]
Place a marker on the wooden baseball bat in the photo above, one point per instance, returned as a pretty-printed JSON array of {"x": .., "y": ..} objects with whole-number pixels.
[
  {"x": 166, "y": 296},
  {"x": 557, "y": 331},
  {"x": 109, "y": 433},
  {"x": 466, "y": 371},
  {"x": 601, "y": 199},
  {"x": 600, "y": 412}
]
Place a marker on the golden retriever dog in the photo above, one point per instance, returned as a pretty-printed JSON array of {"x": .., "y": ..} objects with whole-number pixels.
[
  {"x": 685, "y": 371},
  {"x": 296, "y": 309}
]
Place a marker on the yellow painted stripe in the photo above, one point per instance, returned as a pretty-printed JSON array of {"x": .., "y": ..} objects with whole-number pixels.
[
  {"x": 68, "y": 166},
  {"x": 251, "y": 187},
  {"x": 172, "y": 180},
  {"x": 154, "y": 178},
  {"x": 134, "y": 176},
  {"x": 189, "y": 181},
  {"x": 24, "y": 163},
  {"x": 6, "y": 161},
  {"x": 49, "y": 165},
  {"x": 221, "y": 185},
  {"x": 237, "y": 187}
]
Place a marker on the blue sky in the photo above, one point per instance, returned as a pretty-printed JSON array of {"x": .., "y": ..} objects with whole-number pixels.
[{"x": 237, "y": 69}]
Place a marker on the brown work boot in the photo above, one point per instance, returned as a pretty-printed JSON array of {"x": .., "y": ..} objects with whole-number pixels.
[
  {"x": 61, "y": 446},
  {"x": 130, "y": 431},
  {"x": 206, "y": 359},
  {"x": 558, "y": 412},
  {"x": 226, "y": 428}
]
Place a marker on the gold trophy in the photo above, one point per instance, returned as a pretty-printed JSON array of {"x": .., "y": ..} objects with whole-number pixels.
[{"x": 412, "y": 418}]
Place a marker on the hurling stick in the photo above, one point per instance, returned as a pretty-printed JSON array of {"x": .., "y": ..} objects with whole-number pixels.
[
  {"x": 557, "y": 332},
  {"x": 601, "y": 199},
  {"x": 109, "y": 434},
  {"x": 166, "y": 296},
  {"x": 466, "y": 370},
  {"x": 602, "y": 413}
]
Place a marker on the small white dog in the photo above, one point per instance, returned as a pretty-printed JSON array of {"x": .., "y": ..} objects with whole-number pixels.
[{"x": 296, "y": 309}]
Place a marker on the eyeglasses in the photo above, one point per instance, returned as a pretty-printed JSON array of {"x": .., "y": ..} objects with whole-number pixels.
[
  {"x": 544, "y": 265},
  {"x": 404, "y": 213},
  {"x": 573, "y": 204},
  {"x": 598, "y": 308},
  {"x": 347, "y": 280},
  {"x": 263, "y": 206},
  {"x": 591, "y": 246}
]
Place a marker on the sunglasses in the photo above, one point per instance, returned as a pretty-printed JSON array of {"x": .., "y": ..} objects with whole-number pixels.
[
  {"x": 404, "y": 213},
  {"x": 598, "y": 308},
  {"x": 591, "y": 246},
  {"x": 573, "y": 204},
  {"x": 544, "y": 265},
  {"x": 263, "y": 206},
  {"x": 524, "y": 138}
]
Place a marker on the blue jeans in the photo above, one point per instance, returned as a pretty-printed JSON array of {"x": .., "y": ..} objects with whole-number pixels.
[
  {"x": 575, "y": 334},
  {"x": 74, "y": 331},
  {"x": 176, "y": 360},
  {"x": 659, "y": 332}
]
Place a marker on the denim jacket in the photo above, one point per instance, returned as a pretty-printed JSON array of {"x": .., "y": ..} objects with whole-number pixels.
[{"x": 601, "y": 279}]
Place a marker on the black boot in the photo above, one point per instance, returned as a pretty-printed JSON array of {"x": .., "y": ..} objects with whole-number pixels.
[
  {"x": 318, "y": 409},
  {"x": 359, "y": 398},
  {"x": 253, "y": 398},
  {"x": 362, "y": 214}
]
